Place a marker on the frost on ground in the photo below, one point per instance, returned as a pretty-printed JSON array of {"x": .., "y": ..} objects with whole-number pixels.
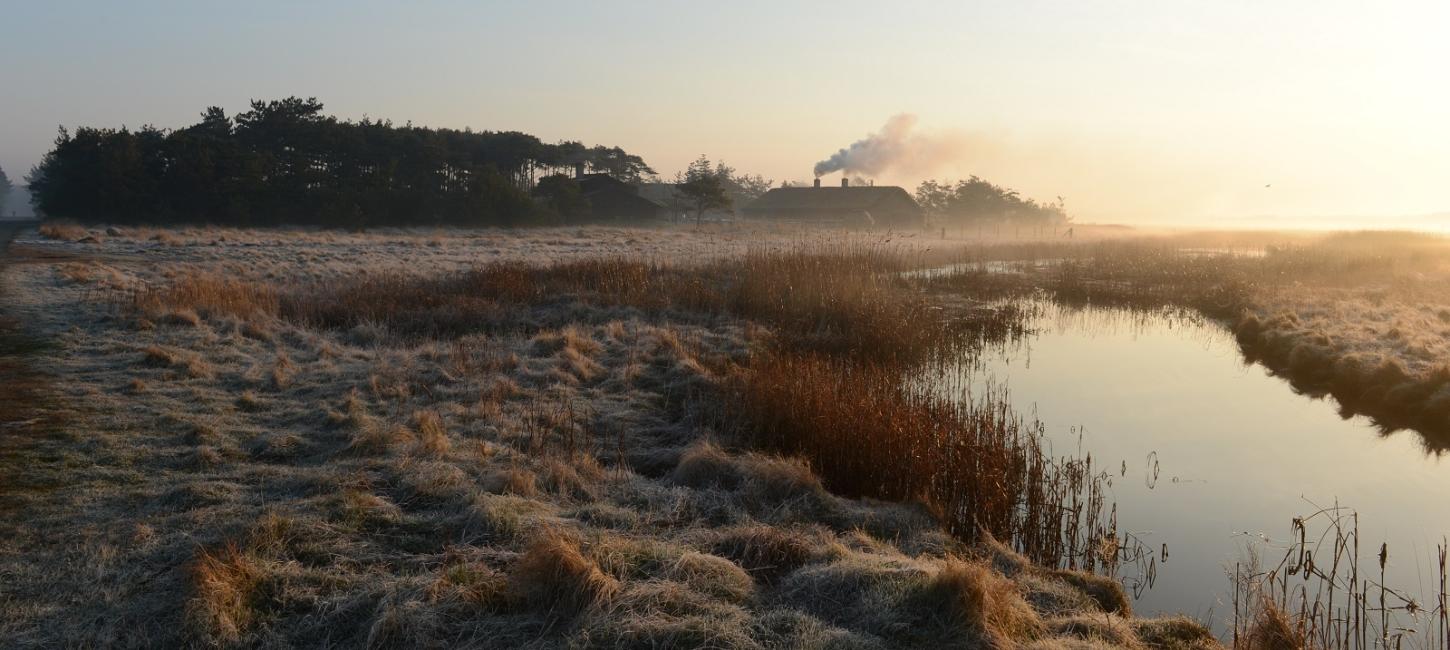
[
  {"x": 1378, "y": 351},
  {"x": 224, "y": 477},
  {"x": 1362, "y": 316}
]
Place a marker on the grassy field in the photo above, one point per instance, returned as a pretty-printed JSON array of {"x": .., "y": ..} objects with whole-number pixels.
[
  {"x": 554, "y": 438},
  {"x": 613, "y": 437}
]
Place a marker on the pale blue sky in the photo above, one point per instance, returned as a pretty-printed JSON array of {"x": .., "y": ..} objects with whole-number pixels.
[{"x": 1140, "y": 111}]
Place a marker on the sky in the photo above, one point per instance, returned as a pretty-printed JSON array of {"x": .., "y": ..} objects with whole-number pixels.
[{"x": 1155, "y": 112}]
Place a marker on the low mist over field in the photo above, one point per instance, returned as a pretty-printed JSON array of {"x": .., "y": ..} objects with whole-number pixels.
[{"x": 745, "y": 326}]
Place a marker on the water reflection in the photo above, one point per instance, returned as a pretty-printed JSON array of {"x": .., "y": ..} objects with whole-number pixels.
[{"x": 1214, "y": 451}]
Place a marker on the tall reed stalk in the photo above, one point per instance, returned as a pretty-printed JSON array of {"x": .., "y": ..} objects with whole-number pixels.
[{"x": 1324, "y": 598}]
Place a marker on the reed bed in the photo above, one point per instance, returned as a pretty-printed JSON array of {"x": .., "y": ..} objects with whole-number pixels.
[
  {"x": 446, "y": 305},
  {"x": 849, "y": 302},
  {"x": 1320, "y": 593},
  {"x": 976, "y": 465},
  {"x": 846, "y": 300}
]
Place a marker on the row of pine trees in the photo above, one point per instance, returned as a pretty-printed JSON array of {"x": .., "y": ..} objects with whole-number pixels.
[{"x": 285, "y": 162}]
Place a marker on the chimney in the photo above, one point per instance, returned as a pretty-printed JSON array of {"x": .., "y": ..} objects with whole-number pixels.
[
  {"x": 578, "y": 171},
  {"x": 845, "y": 182},
  {"x": 818, "y": 181}
]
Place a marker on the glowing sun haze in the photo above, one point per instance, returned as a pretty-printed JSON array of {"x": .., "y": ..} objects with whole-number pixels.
[{"x": 1152, "y": 112}]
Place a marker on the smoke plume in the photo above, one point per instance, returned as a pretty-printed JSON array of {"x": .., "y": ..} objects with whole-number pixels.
[{"x": 896, "y": 147}]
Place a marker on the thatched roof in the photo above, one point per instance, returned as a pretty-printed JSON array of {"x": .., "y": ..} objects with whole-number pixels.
[{"x": 834, "y": 199}]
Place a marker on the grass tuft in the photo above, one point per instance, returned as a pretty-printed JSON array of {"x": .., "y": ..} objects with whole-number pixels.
[
  {"x": 556, "y": 579},
  {"x": 766, "y": 552},
  {"x": 984, "y": 602},
  {"x": 225, "y": 585},
  {"x": 432, "y": 440}
]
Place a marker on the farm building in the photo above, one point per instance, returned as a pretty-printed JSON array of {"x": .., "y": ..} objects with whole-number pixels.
[
  {"x": 845, "y": 205},
  {"x": 611, "y": 199}
]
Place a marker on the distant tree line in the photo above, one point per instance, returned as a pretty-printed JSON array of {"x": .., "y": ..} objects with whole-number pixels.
[
  {"x": 284, "y": 162},
  {"x": 975, "y": 200},
  {"x": 701, "y": 188},
  {"x": 5, "y": 188},
  {"x": 705, "y": 186}
]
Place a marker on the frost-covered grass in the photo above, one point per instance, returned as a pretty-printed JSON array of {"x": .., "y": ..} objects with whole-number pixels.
[{"x": 245, "y": 465}]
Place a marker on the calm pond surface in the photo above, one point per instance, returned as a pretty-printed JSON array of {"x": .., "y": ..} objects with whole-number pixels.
[{"x": 1238, "y": 452}]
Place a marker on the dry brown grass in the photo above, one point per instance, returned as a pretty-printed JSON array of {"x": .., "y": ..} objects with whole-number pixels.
[
  {"x": 1271, "y": 630},
  {"x": 361, "y": 509},
  {"x": 225, "y": 593},
  {"x": 376, "y": 438},
  {"x": 983, "y": 602},
  {"x": 975, "y": 464},
  {"x": 766, "y": 552},
  {"x": 479, "y": 299},
  {"x": 576, "y": 478},
  {"x": 211, "y": 295},
  {"x": 503, "y": 518},
  {"x": 704, "y": 464},
  {"x": 1174, "y": 633},
  {"x": 190, "y": 363},
  {"x": 63, "y": 230},
  {"x": 474, "y": 583},
  {"x": 512, "y": 480},
  {"x": 556, "y": 579},
  {"x": 842, "y": 302},
  {"x": 713, "y": 575},
  {"x": 432, "y": 440}
]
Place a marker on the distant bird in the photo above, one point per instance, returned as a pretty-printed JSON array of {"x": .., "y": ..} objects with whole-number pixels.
[{"x": 1266, "y": 184}]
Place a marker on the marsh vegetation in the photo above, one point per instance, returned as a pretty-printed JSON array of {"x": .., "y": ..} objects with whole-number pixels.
[
  {"x": 577, "y": 451},
  {"x": 590, "y": 437}
]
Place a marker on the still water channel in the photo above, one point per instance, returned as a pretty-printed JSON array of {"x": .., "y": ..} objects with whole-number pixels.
[{"x": 1237, "y": 452}]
